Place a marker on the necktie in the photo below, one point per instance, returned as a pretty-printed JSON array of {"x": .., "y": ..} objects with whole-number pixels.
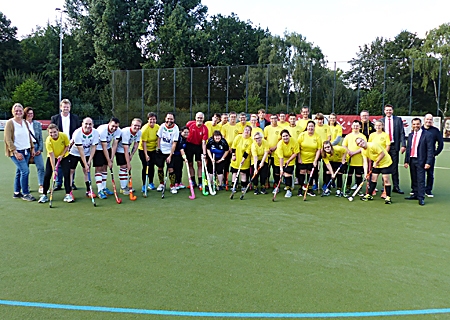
[
  {"x": 390, "y": 129},
  {"x": 413, "y": 148}
]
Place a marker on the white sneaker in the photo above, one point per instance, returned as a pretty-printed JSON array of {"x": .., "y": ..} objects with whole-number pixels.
[
  {"x": 173, "y": 190},
  {"x": 288, "y": 194},
  {"x": 125, "y": 191},
  {"x": 160, "y": 188},
  {"x": 43, "y": 199},
  {"x": 68, "y": 198},
  {"x": 354, "y": 186},
  {"x": 41, "y": 189}
]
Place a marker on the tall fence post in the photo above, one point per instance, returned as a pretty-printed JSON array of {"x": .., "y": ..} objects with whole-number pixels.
[
  {"x": 411, "y": 86},
  {"x": 157, "y": 92},
  {"x": 334, "y": 87},
  {"x": 142, "y": 95},
  {"x": 357, "y": 89},
  {"x": 228, "y": 87},
  {"x": 246, "y": 89},
  {"x": 384, "y": 85},
  {"x": 128, "y": 92},
  {"x": 310, "y": 83},
  {"x": 113, "y": 92},
  {"x": 174, "y": 90},
  {"x": 439, "y": 88},
  {"x": 190, "y": 96},
  {"x": 267, "y": 88},
  {"x": 209, "y": 91},
  {"x": 288, "y": 87}
]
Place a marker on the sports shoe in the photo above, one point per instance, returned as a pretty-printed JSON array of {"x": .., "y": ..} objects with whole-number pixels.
[
  {"x": 311, "y": 193},
  {"x": 275, "y": 190},
  {"x": 326, "y": 193},
  {"x": 43, "y": 199},
  {"x": 367, "y": 197},
  {"x": 71, "y": 193},
  {"x": 181, "y": 186},
  {"x": 151, "y": 186},
  {"x": 256, "y": 192},
  {"x": 314, "y": 187},
  {"x": 387, "y": 200},
  {"x": 143, "y": 189},
  {"x": 338, "y": 193},
  {"x": 102, "y": 195},
  {"x": 429, "y": 194},
  {"x": 68, "y": 198},
  {"x": 160, "y": 187},
  {"x": 28, "y": 197},
  {"x": 125, "y": 191},
  {"x": 177, "y": 185},
  {"x": 288, "y": 194},
  {"x": 17, "y": 195},
  {"x": 41, "y": 189},
  {"x": 383, "y": 195},
  {"x": 263, "y": 191},
  {"x": 200, "y": 187},
  {"x": 108, "y": 192},
  {"x": 173, "y": 190},
  {"x": 354, "y": 186},
  {"x": 411, "y": 193},
  {"x": 90, "y": 194}
]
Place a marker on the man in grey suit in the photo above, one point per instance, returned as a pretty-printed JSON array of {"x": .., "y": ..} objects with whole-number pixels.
[{"x": 393, "y": 126}]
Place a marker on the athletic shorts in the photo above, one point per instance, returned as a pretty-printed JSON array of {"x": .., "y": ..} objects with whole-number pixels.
[
  {"x": 358, "y": 170},
  {"x": 218, "y": 167},
  {"x": 193, "y": 150},
  {"x": 100, "y": 159},
  {"x": 246, "y": 171},
  {"x": 289, "y": 169},
  {"x": 74, "y": 161},
  {"x": 387, "y": 170},
  {"x": 120, "y": 159},
  {"x": 305, "y": 166},
  {"x": 336, "y": 165},
  {"x": 160, "y": 160}
]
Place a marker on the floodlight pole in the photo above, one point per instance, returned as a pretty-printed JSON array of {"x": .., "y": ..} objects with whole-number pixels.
[{"x": 60, "y": 51}]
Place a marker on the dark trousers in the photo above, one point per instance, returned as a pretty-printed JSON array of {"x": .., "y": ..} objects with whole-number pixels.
[
  {"x": 417, "y": 173},
  {"x": 394, "y": 167},
  {"x": 430, "y": 177},
  {"x": 262, "y": 175},
  {"x": 151, "y": 168},
  {"x": 64, "y": 168},
  {"x": 178, "y": 167}
]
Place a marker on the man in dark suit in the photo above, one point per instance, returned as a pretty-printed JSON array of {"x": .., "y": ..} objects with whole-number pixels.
[
  {"x": 437, "y": 139},
  {"x": 393, "y": 126},
  {"x": 419, "y": 156},
  {"x": 67, "y": 122}
]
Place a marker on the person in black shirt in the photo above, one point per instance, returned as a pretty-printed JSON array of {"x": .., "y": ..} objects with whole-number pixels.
[{"x": 218, "y": 147}]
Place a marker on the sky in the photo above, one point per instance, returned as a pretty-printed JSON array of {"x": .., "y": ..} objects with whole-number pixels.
[{"x": 338, "y": 27}]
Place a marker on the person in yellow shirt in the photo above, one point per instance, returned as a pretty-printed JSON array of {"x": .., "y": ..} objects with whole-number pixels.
[
  {"x": 303, "y": 121},
  {"x": 229, "y": 132},
  {"x": 57, "y": 145},
  {"x": 254, "y": 125},
  {"x": 333, "y": 157},
  {"x": 293, "y": 128},
  {"x": 381, "y": 164},
  {"x": 214, "y": 124},
  {"x": 147, "y": 149},
  {"x": 323, "y": 130},
  {"x": 354, "y": 152},
  {"x": 287, "y": 151},
  {"x": 335, "y": 130},
  {"x": 308, "y": 157},
  {"x": 272, "y": 135},
  {"x": 223, "y": 119},
  {"x": 240, "y": 156},
  {"x": 242, "y": 122},
  {"x": 380, "y": 137},
  {"x": 260, "y": 157},
  {"x": 282, "y": 120}
]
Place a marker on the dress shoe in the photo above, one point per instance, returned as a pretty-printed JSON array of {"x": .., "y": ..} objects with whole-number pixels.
[
  {"x": 397, "y": 190},
  {"x": 422, "y": 202},
  {"x": 411, "y": 198}
]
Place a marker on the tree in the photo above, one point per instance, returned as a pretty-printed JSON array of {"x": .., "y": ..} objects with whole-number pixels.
[
  {"x": 31, "y": 93},
  {"x": 10, "y": 56}
]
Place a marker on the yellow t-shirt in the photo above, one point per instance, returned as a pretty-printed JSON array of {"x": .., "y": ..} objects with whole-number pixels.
[
  {"x": 242, "y": 145},
  {"x": 323, "y": 132},
  {"x": 302, "y": 123},
  {"x": 295, "y": 131},
  {"x": 381, "y": 138},
  {"x": 336, "y": 131},
  {"x": 211, "y": 128},
  {"x": 336, "y": 157},
  {"x": 285, "y": 151},
  {"x": 259, "y": 150},
  {"x": 229, "y": 132},
  {"x": 283, "y": 125},
  {"x": 350, "y": 143},
  {"x": 272, "y": 135},
  {"x": 373, "y": 151},
  {"x": 309, "y": 146},
  {"x": 241, "y": 126},
  {"x": 255, "y": 130},
  {"x": 149, "y": 137},
  {"x": 57, "y": 146}
]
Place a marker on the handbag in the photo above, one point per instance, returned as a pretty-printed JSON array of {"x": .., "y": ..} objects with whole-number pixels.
[{"x": 31, "y": 160}]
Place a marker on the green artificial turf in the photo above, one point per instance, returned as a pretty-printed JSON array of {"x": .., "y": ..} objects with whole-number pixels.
[{"x": 214, "y": 254}]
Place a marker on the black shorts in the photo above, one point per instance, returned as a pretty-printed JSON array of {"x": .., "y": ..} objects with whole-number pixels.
[
  {"x": 120, "y": 159},
  {"x": 100, "y": 159},
  {"x": 160, "y": 160},
  {"x": 74, "y": 161},
  {"x": 193, "y": 150},
  {"x": 387, "y": 170},
  {"x": 245, "y": 171},
  {"x": 289, "y": 169},
  {"x": 336, "y": 165},
  {"x": 358, "y": 170},
  {"x": 218, "y": 167},
  {"x": 305, "y": 166}
]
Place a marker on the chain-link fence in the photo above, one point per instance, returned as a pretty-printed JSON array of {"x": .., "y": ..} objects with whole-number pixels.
[{"x": 343, "y": 88}]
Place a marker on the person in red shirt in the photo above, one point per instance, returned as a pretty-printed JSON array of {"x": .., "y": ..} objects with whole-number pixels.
[{"x": 196, "y": 145}]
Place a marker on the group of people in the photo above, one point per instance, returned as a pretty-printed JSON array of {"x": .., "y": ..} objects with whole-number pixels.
[{"x": 288, "y": 149}]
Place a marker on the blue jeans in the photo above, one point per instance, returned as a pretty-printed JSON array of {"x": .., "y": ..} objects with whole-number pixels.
[
  {"x": 22, "y": 172},
  {"x": 39, "y": 162}
]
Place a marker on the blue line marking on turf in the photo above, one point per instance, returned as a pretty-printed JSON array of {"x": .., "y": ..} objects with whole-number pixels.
[{"x": 224, "y": 314}]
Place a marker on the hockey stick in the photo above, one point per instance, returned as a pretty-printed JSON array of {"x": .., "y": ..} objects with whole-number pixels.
[
  {"x": 309, "y": 182},
  {"x": 163, "y": 191},
  {"x": 331, "y": 180},
  {"x": 278, "y": 187},
  {"x": 90, "y": 189},
  {"x": 191, "y": 184},
  {"x": 359, "y": 186},
  {"x": 146, "y": 180},
  {"x": 204, "y": 179},
  {"x": 130, "y": 186},
  {"x": 118, "y": 200},
  {"x": 248, "y": 185},
  {"x": 233, "y": 190},
  {"x": 55, "y": 175}
]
